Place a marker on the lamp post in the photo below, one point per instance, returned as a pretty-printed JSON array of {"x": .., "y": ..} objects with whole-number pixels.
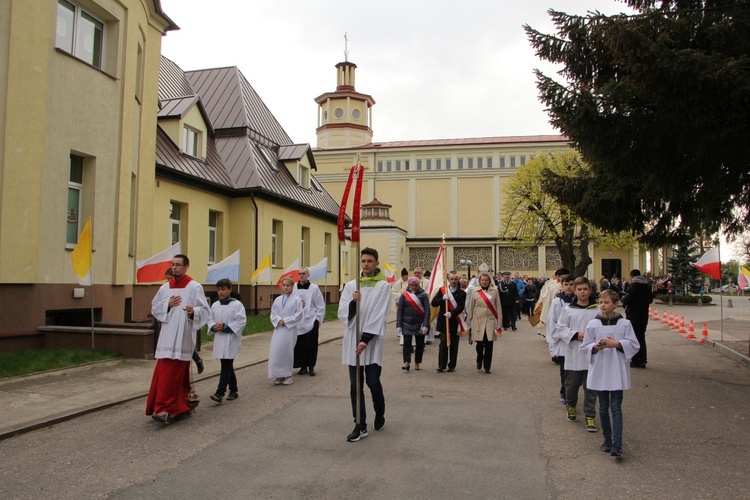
[{"x": 467, "y": 263}]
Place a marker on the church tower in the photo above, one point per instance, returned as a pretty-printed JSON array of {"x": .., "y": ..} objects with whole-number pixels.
[{"x": 344, "y": 116}]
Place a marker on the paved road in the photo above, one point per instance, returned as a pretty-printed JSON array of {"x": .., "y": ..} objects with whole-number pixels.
[{"x": 468, "y": 434}]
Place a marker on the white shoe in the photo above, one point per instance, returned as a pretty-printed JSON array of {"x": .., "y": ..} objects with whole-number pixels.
[
  {"x": 278, "y": 381},
  {"x": 287, "y": 381}
]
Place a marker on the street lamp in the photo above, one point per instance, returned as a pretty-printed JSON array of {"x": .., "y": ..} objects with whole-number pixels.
[{"x": 467, "y": 263}]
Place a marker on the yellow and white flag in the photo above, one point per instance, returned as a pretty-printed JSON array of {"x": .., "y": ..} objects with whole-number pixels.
[
  {"x": 263, "y": 273},
  {"x": 81, "y": 255}
]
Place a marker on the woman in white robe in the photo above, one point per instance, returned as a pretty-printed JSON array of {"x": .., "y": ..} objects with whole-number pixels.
[{"x": 286, "y": 315}]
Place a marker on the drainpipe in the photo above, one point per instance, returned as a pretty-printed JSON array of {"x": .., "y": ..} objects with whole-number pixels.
[{"x": 255, "y": 206}]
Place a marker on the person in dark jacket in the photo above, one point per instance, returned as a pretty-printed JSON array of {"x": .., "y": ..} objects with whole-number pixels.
[
  {"x": 413, "y": 319},
  {"x": 529, "y": 298},
  {"x": 508, "y": 299},
  {"x": 636, "y": 303},
  {"x": 451, "y": 306}
]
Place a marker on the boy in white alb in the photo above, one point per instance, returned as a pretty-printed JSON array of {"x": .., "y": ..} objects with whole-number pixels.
[
  {"x": 226, "y": 323},
  {"x": 286, "y": 315},
  {"x": 556, "y": 345},
  {"x": 571, "y": 329},
  {"x": 612, "y": 343}
]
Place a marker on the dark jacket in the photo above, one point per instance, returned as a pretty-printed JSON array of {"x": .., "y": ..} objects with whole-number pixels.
[
  {"x": 408, "y": 318},
  {"x": 437, "y": 301},
  {"x": 508, "y": 293},
  {"x": 636, "y": 301}
]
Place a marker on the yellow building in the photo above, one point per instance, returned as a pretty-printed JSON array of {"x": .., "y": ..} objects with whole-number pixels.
[
  {"x": 78, "y": 94},
  {"x": 451, "y": 187}
]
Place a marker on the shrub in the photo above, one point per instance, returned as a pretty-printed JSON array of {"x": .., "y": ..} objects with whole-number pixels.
[{"x": 685, "y": 299}]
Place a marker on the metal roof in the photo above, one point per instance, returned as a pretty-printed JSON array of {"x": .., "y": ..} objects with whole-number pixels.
[
  {"x": 249, "y": 145},
  {"x": 469, "y": 141}
]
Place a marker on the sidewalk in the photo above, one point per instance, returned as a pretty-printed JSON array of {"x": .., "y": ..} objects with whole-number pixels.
[{"x": 47, "y": 398}]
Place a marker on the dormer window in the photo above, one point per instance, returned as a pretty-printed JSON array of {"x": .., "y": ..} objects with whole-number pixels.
[
  {"x": 304, "y": 176},
  {"x": 191, "y": 142}
]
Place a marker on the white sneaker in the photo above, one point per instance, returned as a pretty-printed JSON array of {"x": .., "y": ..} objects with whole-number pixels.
[
  {"x": 287, "y": 381},
  {"x": 278, "y": 381}
]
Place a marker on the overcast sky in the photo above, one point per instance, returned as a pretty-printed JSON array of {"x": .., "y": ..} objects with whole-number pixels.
[{"x": 435, "y": 69}]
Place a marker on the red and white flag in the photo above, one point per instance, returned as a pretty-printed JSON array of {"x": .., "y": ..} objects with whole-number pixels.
[
  {"x": 153, "y": 268},
  {"x": 709, "y": 263},
  {"x": 292, "y": 270}
]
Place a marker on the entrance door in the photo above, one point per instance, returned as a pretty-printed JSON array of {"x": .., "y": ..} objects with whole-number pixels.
[{"x": 612, "y": 267}]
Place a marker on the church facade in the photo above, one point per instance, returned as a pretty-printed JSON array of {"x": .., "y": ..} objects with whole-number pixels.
[{"x": 446, "y": 188}]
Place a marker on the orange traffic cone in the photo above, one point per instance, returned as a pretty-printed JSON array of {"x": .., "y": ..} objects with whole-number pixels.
[
  {"x": 664, "y": 320},
  {"x": 674, "y": 323},
  {"x": 656, "y": 314},
  {"x": 691, "y": 331},
  {"x": 682, "y": 326},
  {"x": 704, "y": 333}
]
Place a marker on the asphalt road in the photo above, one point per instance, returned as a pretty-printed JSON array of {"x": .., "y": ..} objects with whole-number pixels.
[{"x": 463, "y": 434}]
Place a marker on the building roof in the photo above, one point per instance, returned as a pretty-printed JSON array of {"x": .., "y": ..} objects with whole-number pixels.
[
  {"x": 471, "y": 141},
  {"x": 246, "y": 146}
]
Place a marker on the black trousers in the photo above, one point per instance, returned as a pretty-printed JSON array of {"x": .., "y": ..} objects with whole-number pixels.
[
  {"x": 444, "y": 351},
  {"x": 509, "y": 315},
  {"x": 641, "y": 357},
  {"x": 419, "y": 339},
  {"x": 227, "y": 377},
  {"x": 484, "y": 352},
  {"x": 306, "y": 348}
]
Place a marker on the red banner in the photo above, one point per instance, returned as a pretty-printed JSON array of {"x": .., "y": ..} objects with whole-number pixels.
[{"x": 356, "y": 209}]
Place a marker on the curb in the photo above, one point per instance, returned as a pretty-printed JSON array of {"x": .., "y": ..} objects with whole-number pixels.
[
  {"x": 63, "y": 417},
  {"x": 730, "y": 353}
]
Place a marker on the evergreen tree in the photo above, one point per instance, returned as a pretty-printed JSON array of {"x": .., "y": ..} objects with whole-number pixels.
[
  {"x": 684, "y": 276},
  {"x": 657, "y": 103}
]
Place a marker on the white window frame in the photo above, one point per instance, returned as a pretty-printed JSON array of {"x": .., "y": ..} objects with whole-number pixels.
[
  {"x": 212, "y": 234},
  {"x": 175, "y": 223},
  {"x": 73, "y": 214},
  {"x": 276, "y": 242},
  {"x": 76, "y": 46},
  {"x": 192, "y": 147}
]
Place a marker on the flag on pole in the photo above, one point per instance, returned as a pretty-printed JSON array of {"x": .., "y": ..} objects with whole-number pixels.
[
  {"x": 263, "y": 273},
  {"x": 389, "y": 272},
  {"x": 709, "y": 263},
  {"x": 319, "y": 271},
  {"x": 292, "y": 270},
  {"x": 743, "y": 278},
  {"x": 438, "y": 270},
  {"x": 228, "y": 268},
  {"x": 153, "y": 268},
  {"x": 81, "y": 255}
]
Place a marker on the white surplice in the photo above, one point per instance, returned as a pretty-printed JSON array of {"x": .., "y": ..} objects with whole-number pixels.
[
  {"x": 281, "y": 353},
  {"x": 178, "y": 334},
  {"x": 315, "y": 307},
  {"x": 573, "y": 319},
  {"x": 609, "y": 369},
  {"x": 374, "y": 307},
  {"x": 233, "y": 316}
]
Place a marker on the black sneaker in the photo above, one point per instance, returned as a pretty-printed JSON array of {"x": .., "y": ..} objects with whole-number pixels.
[
  {"x": 200, "y": 366},
  {"x": 232, "y": 396},
  {"x": 357, "y": 434},
  {"x": 216, "y": 397},
  {"x": 379, "y": 422},
  {"x": 616, "y": 452}
]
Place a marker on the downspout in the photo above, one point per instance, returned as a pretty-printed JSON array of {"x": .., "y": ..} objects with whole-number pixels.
[{"x": 255, "y": 206}]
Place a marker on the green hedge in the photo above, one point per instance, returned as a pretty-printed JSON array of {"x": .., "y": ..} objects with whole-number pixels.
[{"x": 685, "y": 299}]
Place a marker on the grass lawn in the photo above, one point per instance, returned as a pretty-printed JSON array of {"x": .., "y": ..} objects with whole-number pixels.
[
  {"x": 262, "y": 323},
  {"x": 21, "y": 363}
]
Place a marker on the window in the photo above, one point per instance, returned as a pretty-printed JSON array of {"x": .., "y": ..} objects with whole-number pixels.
[
  {"x": 356, "y": 114},
  {"x": 419, "y": 164},
  {"x": 277, "y": 228},
  {"x": 429, "y": 164},
  {"x": 304, "y": 176},
  {"x": 438, "y": 164},
  {"x": 523, "y": 160},
  {"x": 489, "y": 162},
  {"x": 327, "y": 250},
  {"x": 471, "y": 162},
  {"x": 345, "y": 262},
  {"x": 406, "y": 165},
  {"x": 460, "y": 163},
  {"x": 380, "y": 166},
  {"x": 338, "y": 112},
  {"x": 75, "y": 186},
  {"x": 502, "y": 162},
  {"x": 304, "y": 251},
  {"x": 213, "y": 219},
  {"x": 479, "y": 162},
  {"x": 191, "y": 141},
  {"x": 398, "y": 165},
  {"x": 388, "y": 165},
  {"x": 512, "y": 162},
  {"x": 79, "y": 33},
  {"x": 447, "y": 163},
  {"x": 139, "y": 74},
  {"x": 175, "y": 221}
]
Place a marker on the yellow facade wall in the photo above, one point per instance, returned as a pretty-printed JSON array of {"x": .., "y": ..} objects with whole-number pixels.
[{"x": 475, "y": 197}]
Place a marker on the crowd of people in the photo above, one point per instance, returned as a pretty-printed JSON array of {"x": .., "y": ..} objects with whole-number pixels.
[{"x": 594, "y": 346}]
